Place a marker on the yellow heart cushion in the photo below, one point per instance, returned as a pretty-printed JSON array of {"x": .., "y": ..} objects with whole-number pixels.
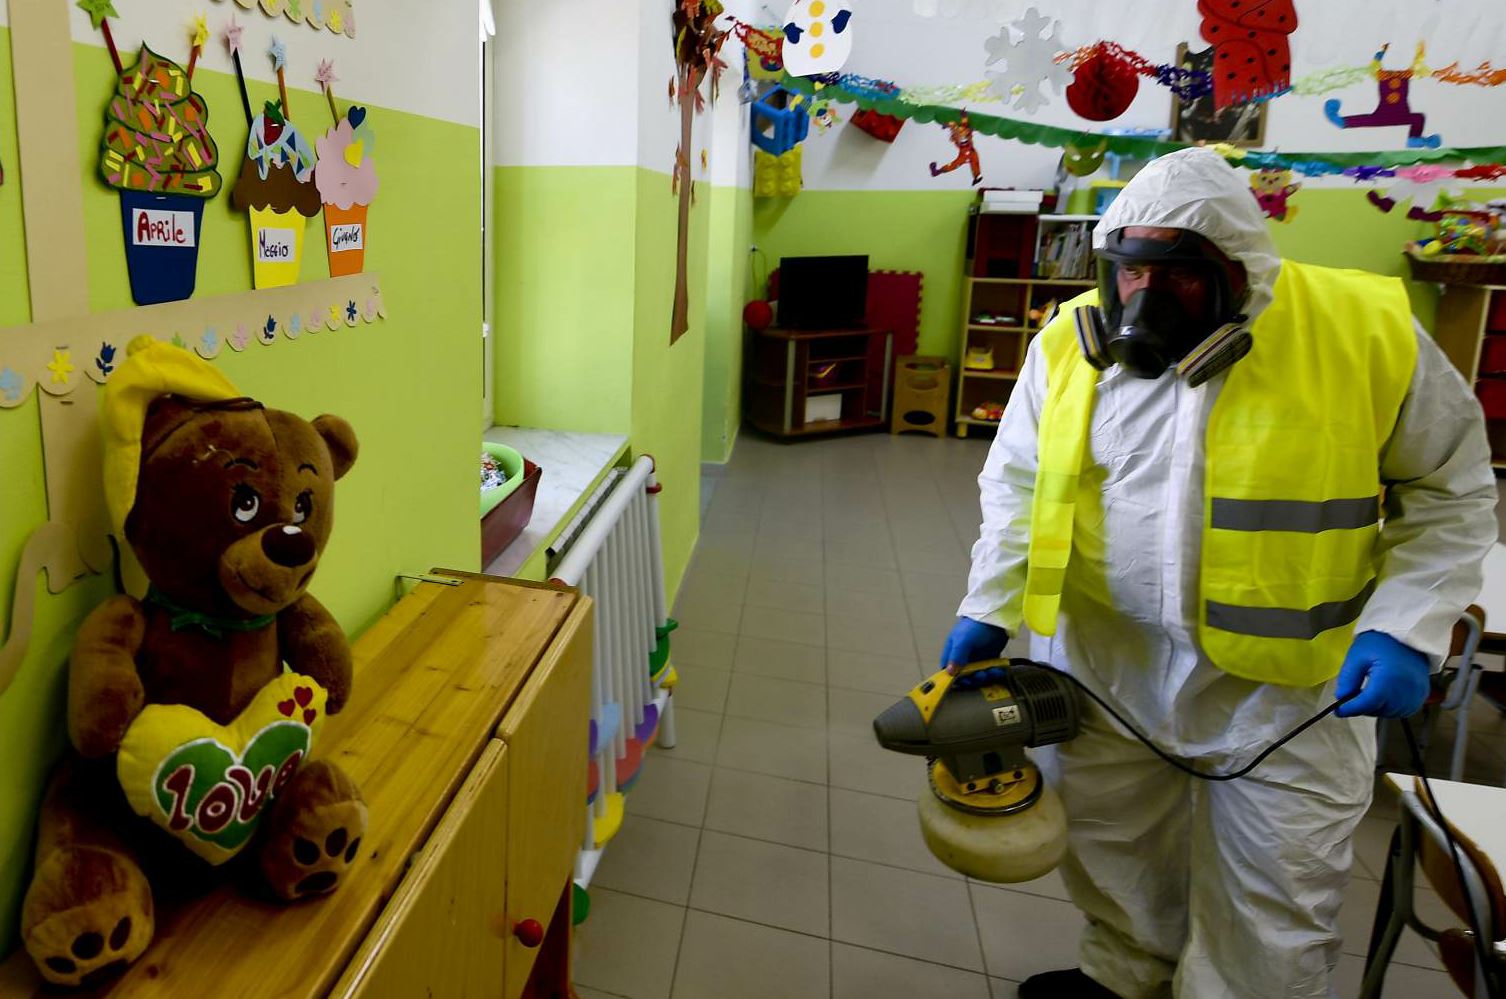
[{"x": 209, "y": 785}]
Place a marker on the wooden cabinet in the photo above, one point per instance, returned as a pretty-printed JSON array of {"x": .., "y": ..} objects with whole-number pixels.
[
  {"x": 996, "y": 322},
  {"x": 1471, "y": 329},
  {"x": 847, "y": 369},
  {"x": 467, "y": 733}
]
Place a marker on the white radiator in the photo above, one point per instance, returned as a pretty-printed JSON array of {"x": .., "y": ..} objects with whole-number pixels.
[{"x": 612, "y": 554}]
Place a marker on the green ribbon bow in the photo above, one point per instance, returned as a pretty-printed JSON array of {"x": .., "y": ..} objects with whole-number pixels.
[{"x": 214, "y": 627}]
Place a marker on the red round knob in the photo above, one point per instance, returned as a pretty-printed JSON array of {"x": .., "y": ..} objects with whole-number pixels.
[{"x": 529, "y": 932}]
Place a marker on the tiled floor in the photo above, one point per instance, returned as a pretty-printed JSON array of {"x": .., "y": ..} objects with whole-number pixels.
[{"x": 774, "y": 852}]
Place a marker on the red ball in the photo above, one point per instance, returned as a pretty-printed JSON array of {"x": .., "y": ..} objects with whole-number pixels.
[
  {"x": 758, "y": 314},
  {"x": 1103, "y": 87}
]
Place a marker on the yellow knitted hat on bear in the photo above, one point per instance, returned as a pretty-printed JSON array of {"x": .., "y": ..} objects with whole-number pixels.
[{"x": 152, "y": 368}]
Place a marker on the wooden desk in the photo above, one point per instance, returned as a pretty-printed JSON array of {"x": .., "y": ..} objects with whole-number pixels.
[
  {"x": 1473, "y": 810},
  {"x": 785, "y": 367},
  {"x": 467, "y": 733}
]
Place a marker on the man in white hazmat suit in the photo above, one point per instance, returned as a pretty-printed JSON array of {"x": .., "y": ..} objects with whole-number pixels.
[{"x": 1183, "y": 505}]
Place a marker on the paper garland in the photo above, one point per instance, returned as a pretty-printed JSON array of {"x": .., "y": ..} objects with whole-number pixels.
[
  {"x": 865, "y": 93},
  {"x": 338, "y": 16},
  {"x": 59, "y": 356}
]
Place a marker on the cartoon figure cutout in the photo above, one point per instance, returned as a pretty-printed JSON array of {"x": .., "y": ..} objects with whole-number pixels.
[
  {"x": 817, "y": 36},
  {"x": 1273, "y": 190},
  {"x": 961, "y": 134}
]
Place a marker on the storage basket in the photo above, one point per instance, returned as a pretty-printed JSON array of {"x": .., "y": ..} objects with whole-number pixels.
[{"x": 1456, "y": 268}]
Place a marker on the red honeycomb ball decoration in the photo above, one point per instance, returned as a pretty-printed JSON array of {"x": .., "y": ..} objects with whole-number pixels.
[{"x": 1103, "y": 87}]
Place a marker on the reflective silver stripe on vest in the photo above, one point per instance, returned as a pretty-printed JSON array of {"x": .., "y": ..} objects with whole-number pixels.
[
  {"x": 1280, "y": 622},
  {"x": 1303, "y": 516}
]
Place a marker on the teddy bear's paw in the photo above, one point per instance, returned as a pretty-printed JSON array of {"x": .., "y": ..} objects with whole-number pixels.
[
  {"x": 88, "y": 914},
  {"x": 311, "y": 855}
]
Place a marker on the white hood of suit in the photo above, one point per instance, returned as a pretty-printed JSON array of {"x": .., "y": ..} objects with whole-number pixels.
[{"x": 1196, "y": 189}]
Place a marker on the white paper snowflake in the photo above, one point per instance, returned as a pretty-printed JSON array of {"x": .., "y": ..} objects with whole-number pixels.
[{"x": 1029, "y": 62}]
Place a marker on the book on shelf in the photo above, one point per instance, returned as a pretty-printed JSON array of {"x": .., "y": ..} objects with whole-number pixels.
[{"x": 1066, "y": 253}]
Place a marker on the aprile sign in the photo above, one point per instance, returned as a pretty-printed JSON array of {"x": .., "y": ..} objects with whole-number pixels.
[{"x": 158, "y": 227}]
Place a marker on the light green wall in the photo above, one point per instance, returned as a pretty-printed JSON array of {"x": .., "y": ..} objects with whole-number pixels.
[
  {"x": 564, "y": 291},
  {"x": 926, "y": 231},
  {"x": 898, "y": 230},
  {"x": 668, "y": 380},
  {"x": 408, "y": 384},
  {"x": 730, "y": 236}
]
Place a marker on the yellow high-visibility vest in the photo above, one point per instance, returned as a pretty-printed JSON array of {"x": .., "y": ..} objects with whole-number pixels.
[{"x": 1291, "y": 499}]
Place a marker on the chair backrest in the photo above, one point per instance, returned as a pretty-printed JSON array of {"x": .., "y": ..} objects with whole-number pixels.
[
  {"x": 1467, "y": 631},
  {"x": 1437, "y": 863}
]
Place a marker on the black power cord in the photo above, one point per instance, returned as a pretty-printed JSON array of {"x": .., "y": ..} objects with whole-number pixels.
[{"x": 1482, "y": 946}]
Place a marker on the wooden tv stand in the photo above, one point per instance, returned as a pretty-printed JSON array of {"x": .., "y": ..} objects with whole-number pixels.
[{"x": 786, "y": 367}]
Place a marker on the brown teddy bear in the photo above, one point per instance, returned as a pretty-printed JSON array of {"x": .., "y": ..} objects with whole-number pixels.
[{"x": 179, "y": 707}]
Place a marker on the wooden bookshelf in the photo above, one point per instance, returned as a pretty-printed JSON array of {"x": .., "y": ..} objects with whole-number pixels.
[{"x": 1471, "y": 329}]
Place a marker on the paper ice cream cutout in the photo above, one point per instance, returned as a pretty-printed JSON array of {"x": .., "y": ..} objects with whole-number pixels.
[
  {"x": 158, "y": 153},
  {"x": 276, "y": 186},
  {"x": 347, "y": 182},
  {"x": 817, "y": 36}
]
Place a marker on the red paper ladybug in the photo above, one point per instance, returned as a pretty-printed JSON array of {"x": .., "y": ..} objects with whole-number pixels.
[{"x": 1103, "y": 87}]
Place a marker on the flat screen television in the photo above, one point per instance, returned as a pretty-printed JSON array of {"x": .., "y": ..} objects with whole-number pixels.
[{"x": 823, "y": 292}]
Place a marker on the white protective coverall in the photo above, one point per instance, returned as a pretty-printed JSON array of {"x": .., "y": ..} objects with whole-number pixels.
[{"x": 1195, "y": 889}]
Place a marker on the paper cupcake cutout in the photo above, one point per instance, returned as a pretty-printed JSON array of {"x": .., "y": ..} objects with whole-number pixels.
[
  {"x": 276, "y": 186},
  {"x": 158, "y": 153},
  {"x": 347, "y": 182}
]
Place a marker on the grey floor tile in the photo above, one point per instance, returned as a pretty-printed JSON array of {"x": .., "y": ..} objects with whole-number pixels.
[
  {"x": 872, "y": 671},
  {"x": 1003, "y": 988},
  {"x": 783, "y": 625},
  {"x": 886, "y": 636},
  {"x": 851, "y": 712},
  {"x": 776, "y": 809},
  {"x": 708, "y": 614},
  {"x": 785, "y": 660},
  {"x": 696, "y": 735},
  {"x": 786, "y": 570},
  {"x": 628, "y": 946},
  {"x": 582, "y": 992},
  {"x": 767, "y": 698},
  {"x": 670, "y": 790},
  {"x": 724, "y": 958},
  {"x": 859, "y": 763},
  {"x": 650, "y": 858},
  {"x": 702, "y": 688},
  {"x": 873, "y": 552},
  {"x": 689, "y": 647},
  {"x": 698, "y": 586},
  {"x": 943, "y": 588},
  {"x": 1024, "y": 935},
  {"x": 882, "y": 831},
  {"x": 860, "y": 973},
  {"x": 1357, "y": 918},
  {"x": 808, "y": 597},
  {"x": 902, "y": 912},
  {"x": 769, "y": 748},
  {"x": 860, "y": 579},
  {"x": 1372, "y": 843},
  {"x": 1049, "y": 886},
  {"x": 762, "y": 882},
  {"x": 859, "y": 603},
  {"x": 1402, "y": 981}
]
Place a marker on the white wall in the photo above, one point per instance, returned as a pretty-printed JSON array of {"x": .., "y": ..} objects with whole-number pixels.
[
  {"x": 604, "y": 100},
  {"x": 893, "y": 42},
  {"x": 388, "y": 63}
]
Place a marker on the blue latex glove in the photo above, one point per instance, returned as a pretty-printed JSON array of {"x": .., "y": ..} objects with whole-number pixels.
[
  {"x": 972, "y": 641},
  {"x": 1390, "y": 678}
]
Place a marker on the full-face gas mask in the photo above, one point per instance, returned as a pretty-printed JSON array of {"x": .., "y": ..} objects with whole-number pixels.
[{"x": 1153, "y": 329}]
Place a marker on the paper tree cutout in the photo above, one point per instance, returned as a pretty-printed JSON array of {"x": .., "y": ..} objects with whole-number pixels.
[
  {"x": 1029, "y": 62},
  {"x": 817, "y": 36}
]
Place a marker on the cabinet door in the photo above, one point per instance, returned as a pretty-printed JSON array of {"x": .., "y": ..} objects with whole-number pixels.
[
  {"x": 443, "y": 933},
  {"x": 547, "y": 735}
]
